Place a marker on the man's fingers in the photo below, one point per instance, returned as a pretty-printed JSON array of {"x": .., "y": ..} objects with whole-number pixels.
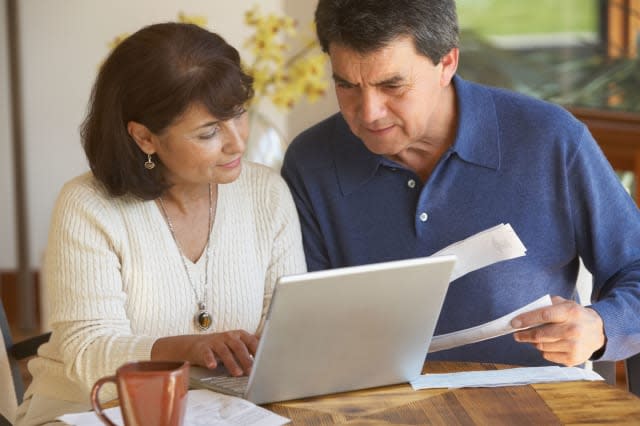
[
  {"x": 556, "y": 313},
  {"x": 566, "y": 346},
  {"x": 564, "y": 358},
  {"x": 553, "y": 348},
  {"x": 551, "y": 332},
  {"x": 571, "y": 342}
]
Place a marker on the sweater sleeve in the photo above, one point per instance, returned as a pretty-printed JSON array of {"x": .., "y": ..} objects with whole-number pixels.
[
  {"x": 287, "y": 255},
  {"x": 607, "y": 227},
  {"x": 82, "y": 272}
]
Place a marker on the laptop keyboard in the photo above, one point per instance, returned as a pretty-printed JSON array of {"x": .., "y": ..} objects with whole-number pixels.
[{"x": 227, "y": 384}]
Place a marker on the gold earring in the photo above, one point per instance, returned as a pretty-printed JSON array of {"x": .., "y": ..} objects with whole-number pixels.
[{"x": 149, "y": 164}]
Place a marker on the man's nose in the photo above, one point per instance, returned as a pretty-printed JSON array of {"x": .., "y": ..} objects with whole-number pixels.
[{"x": 372, "y": 106}]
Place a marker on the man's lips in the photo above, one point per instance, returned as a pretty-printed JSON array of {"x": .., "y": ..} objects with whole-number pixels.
[{"x": 378, "y": 131}]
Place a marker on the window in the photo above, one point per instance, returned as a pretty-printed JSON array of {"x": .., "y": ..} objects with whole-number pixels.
[{"x": 579, "y": 53}]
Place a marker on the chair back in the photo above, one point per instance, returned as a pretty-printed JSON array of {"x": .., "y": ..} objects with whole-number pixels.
[
  {"x": 632, "y": 365},
  {"x": 10, "y": 378}
]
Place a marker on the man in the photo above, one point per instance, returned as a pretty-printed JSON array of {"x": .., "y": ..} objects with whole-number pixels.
[{"x": 419, "y": 158}]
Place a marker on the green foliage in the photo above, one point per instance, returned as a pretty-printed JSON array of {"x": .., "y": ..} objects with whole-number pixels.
[
  {"x": 576, "y": 72},
  {"x": 516, "y": 17},
  {"x": 582, "y": 76}
]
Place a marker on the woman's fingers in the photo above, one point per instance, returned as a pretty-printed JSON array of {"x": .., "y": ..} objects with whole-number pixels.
[{"x": 235, "y": 349}]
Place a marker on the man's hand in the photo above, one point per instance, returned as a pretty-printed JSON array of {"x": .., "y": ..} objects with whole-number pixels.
[{"x": 566, "y": 332}]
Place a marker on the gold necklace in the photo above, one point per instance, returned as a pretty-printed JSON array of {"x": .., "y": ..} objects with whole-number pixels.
[{"x": 202, "y": 318}]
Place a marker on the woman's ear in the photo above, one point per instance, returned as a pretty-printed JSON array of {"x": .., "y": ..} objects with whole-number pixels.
[{"x": 143, "y": 137}]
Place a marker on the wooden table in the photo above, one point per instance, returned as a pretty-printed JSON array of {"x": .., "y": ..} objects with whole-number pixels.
[{"x": 541, "y": 404}]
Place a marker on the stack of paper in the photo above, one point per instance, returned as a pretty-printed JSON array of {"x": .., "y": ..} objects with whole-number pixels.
[
  {"x": 496, "y": 244},
  {"x": 204, "y": 408},
  {"x": 489, "y": 330},
  {"x": 487, "y": 247},
  {"x": 508, "y": 377}
]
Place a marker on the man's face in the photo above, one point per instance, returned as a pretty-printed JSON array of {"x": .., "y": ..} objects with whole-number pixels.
[{"x": 391, "y": 98}]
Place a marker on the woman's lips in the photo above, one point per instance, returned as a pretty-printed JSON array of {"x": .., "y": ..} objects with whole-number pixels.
[{"x": 231, "y": 164}]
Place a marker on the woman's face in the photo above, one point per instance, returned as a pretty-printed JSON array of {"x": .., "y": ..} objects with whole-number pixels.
[{"x": 198, "y": 148}]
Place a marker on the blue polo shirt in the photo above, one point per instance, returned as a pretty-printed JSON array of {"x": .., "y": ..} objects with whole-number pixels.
[{"x": 515, "y": 160}]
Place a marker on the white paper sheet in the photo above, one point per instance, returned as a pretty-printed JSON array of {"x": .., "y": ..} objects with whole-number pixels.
[
  {"x": 204, "y": 408},
  {"x": 487, "y": 247},
  {"x": 508, "y": 377},
  {"x": 489, "y": 330}
]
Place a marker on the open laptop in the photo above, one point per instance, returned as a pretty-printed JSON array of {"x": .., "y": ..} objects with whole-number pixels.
[{"x": 342, "y": 329}]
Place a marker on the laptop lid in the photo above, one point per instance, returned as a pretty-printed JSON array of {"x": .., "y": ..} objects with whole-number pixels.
[{"x": 349, "y": 328}]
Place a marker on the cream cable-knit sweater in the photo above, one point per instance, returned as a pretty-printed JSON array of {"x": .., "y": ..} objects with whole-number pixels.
[{"x": 116, "y": 283}]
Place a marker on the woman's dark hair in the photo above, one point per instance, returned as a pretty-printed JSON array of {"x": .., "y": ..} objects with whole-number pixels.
[
  {"x": 152, "y": 77},
  {"x": 368, "y": 25}
]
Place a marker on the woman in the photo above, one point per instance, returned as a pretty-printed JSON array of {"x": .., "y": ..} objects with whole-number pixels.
[{"x": 171, "y": 247}]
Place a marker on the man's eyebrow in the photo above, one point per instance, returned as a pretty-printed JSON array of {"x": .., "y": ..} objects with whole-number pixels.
[
  {"x": 389, "y": 81},
  {"x": 341, "y": 80}
]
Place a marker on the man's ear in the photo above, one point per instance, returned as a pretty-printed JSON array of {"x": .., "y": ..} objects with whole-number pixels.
[
  {"x": 143, "y": 137},
  {"x": 449, "y": 66}
]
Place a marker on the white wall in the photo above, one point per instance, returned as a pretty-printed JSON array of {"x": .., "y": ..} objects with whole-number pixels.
[
  {"x": 63, "y": 42},
  {"x": 8, "y": 253}
]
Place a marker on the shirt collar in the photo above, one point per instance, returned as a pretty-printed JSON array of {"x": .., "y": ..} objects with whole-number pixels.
[{"x": 477, "y": 140}]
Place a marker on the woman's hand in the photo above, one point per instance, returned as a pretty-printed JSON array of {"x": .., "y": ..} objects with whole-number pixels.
[{"x": 235, "y": 349}]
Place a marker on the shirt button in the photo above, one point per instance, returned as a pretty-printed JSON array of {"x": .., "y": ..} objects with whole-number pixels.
[
  {"x": 423, "y": 217},
  {"x": 411, "y": 183}
]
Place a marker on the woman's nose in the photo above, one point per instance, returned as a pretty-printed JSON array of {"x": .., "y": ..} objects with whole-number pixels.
[{"x": 235, "y": 136}]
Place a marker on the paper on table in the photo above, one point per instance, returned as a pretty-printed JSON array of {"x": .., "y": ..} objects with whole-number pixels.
[
  {"x": 488, "y": 330},
  {"x": 508, "y": 377},
  {"x": 492, "y": 245},
  {"x": 203, "y": 408}
]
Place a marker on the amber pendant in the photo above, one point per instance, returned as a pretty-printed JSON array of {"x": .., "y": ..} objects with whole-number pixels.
[{"x": 203, "y": 318}]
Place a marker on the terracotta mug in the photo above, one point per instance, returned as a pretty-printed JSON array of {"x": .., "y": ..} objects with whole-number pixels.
[{"x": 152, "y": 393}]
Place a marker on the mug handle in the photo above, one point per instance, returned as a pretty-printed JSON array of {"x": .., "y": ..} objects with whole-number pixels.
[{"x": 95, "y": 402}]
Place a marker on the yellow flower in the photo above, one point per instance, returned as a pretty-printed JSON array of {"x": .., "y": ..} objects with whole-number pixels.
[
  {"x": 198, "y": 20},
  {"x": 117, "y": 40},
  {"x": 261, "y": 80},
  {"x": 280, "y": 75}
]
